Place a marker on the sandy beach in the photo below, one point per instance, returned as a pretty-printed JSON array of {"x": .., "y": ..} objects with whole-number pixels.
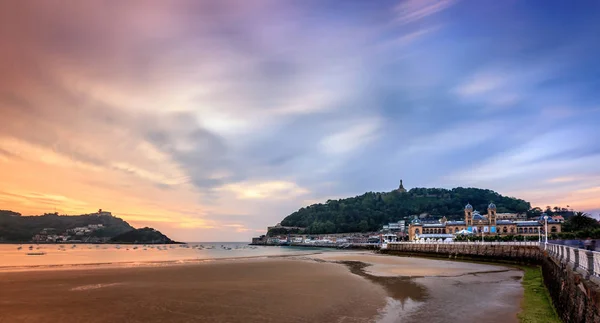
[{"x": 328, "y": 287}]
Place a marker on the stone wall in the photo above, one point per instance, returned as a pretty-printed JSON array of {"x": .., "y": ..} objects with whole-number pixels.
[
  {"x": 575, "y": 298},
  {"x": 484, "y": 252}
]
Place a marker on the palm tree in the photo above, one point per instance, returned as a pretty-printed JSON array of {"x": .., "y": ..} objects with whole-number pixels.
[{"x": 580, "y": 221}]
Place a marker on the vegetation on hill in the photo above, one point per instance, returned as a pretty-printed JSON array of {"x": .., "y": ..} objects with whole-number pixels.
[
  {"x": 368, "y": 212},
  {"x": 143, "y": 235},
  {"x": 580, "y": 222},
  {"x": 23, "y": 228},
  {"x": 9, "y": 213}
]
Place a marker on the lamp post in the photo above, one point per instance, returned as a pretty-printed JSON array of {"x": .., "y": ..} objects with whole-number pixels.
[{"x": 546, "y": 232}]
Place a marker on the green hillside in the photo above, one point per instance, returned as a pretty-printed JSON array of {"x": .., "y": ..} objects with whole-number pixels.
[
  {"x": 14, "y": 227},
  {"x": 143, "y": 235},
  {"x": 368, "y": 212}
]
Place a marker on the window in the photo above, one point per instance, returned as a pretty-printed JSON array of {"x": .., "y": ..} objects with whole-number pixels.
[
  {"x": 456, "y": 229},
  {"x": 504, "y": 230},
  {"x": 450, "y": 230},
  {"x": 553, "y": 229},
  {"x": 512, "y": 230},
  {"x": 530, "y": 230},
  {"x": 417, "y": 231},
  {"x": 535, "y": 230}
]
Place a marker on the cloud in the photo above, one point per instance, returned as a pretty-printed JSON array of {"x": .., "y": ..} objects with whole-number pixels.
[
  {"x": 353, "y": 136},
  {"x": 530, "y": 164},
  {"x": 264, "y": 190},
  {"x": 413, "y": 10}
]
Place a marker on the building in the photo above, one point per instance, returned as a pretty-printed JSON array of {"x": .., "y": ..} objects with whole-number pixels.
[
  {"x": 399, "y": 226},
  {"x": 475, "y": 223},
  {"x": 511, "y": 216}
]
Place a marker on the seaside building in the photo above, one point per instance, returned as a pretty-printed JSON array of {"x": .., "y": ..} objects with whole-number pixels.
[
  {"x": 399, "y": 226},
  {"x": 475, "y": 223}
]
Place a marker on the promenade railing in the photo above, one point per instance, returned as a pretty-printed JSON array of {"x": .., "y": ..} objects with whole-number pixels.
[
  {"x": 499, "y": 243},
  {"x": 586, "y": 262}
]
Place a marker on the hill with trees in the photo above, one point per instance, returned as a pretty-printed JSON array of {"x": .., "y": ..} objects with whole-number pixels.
[
  {"x": 368, "y": 212},
  {"x": 17, "y": 228},
  {"x": 143, "y": 235}
]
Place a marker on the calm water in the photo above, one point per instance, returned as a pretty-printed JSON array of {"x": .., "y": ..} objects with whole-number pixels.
[{"x": 12, "y": 258}]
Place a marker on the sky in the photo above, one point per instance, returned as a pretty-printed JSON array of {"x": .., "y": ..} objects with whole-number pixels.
[{"x": 210, "y": 120}]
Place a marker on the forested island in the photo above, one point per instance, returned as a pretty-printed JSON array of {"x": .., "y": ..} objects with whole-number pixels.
[
  {"x": 369, "y": 211},
  {"x": 143, "y": 235},
  {"x": 99, "y": 227}
]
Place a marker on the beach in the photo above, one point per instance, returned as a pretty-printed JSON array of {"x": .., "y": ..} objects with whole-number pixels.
[{"x": 323, "y": 287}]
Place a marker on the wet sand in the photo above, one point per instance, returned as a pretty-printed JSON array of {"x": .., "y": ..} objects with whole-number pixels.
[
  {"x": 429, "y": 290},
  {"x": 329, "y": 287},
  {"x": 258, "y": 290}
]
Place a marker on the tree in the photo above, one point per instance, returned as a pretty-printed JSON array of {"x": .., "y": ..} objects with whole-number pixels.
[{"x": 580, "y": 222}]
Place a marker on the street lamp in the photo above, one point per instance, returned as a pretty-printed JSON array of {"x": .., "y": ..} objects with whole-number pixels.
[{"x": 546, "y": 232}]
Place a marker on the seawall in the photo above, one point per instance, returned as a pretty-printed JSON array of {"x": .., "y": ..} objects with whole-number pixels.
[
  {"x": 523, "y": 254},
  {"x": 364, "y": 246},
  {"x": 575, "y": 298}
]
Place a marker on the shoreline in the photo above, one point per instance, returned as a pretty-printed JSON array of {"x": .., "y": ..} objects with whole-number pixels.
[{"x": 135, "y": 264}]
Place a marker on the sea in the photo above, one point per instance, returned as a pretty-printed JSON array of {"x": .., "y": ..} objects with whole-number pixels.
[{"x": 25, "y": 257}]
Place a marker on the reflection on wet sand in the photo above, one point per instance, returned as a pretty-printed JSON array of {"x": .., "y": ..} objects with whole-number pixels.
[
  {"x": 470, "y": 293},
  {"x": 398, "y": 288},
  {"x": 404, "y": 295}
]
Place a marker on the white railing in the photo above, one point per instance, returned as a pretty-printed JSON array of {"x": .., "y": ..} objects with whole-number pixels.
[
  {"x": 500, "y": 243},
  {"x": 596, "y": 262},
  {"x": 585, "y": 261}
]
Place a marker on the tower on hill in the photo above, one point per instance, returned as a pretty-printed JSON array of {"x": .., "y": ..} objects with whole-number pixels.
[{"x": 401, "y": 189}]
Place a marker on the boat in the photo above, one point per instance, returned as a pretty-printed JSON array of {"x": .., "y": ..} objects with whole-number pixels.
[{"x": 36, "y": 253}]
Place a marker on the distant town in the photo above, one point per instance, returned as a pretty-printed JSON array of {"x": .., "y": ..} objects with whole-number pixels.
[{"x": 423, "y": 227}]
